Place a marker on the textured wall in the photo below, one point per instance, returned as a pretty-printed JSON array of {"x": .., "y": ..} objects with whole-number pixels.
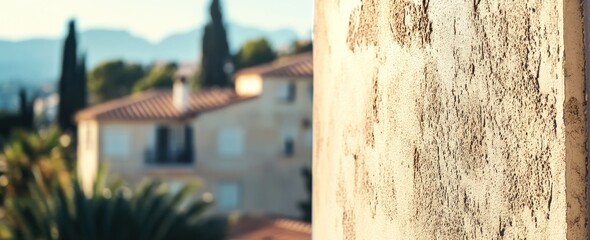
[
  {"x": 270, "y": 182},
  {"x": 449, "y": 120}
]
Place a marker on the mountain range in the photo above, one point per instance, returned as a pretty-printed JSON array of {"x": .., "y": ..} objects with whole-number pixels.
[{"x": 38, "y": 61}]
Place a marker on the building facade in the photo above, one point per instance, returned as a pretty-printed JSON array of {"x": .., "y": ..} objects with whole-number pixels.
[{"x": 247, "y": 144}]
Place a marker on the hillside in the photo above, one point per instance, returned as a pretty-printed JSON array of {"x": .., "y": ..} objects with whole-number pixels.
[{"x": 37, "y": 61}]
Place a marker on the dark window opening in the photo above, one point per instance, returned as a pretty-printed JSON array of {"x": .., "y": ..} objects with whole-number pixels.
[
  {"x": 305, "y": 123},
  {"x": 291, "y": 91},
  {"x": 188, "y": 145},
  {"x": 289, "y": 147},
  {"x": 162, "y": 144},
  {"x": 166, "y": 149}
]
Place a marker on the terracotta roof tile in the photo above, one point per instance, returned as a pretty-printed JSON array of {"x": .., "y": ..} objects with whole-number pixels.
[
  {"x": 265, "y": 227},
  {"x": 300, "y": 65},
  {"x": 157, "y": 105}
]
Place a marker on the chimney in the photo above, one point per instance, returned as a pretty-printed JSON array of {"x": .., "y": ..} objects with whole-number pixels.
[{"x": 180, "y": 94}]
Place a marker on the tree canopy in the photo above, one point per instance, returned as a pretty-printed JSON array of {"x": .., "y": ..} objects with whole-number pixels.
[
  {"x": 113, "y": 79},
  {"x": 157, "y": 78},
  {"x": 24, "y": 119},
  {"x": 301, "y": 46},
  {"x": 254, "y": 52}
]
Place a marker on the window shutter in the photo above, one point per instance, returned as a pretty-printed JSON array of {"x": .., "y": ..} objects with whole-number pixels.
[
  {"x": 230, "y": 142},
  {"x": 188, "y": 145},
  {"x": 162, "y": 144},
  {"x": 291, "y": 91},
  {"x": 289, "y": 147}
]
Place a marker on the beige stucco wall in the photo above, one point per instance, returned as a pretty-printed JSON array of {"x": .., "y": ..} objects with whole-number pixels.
[
  {"x": 130, "y": 166},
  {"x": 270, "y": 182},
  {"x": 449, "y": 120},
  {"x": 87, "y": 153}
]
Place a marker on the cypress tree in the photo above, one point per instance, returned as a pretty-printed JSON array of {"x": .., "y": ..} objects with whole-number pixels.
[
  {"x": 79, "y": 100},
  {"x": 215, "y": 53},
  {"x": 71, "y": 87}
]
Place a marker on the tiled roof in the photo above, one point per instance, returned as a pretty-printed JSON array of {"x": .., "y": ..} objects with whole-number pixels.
[
  {"x": 300, "y": 65},
  {"x": 157, "y": 105},
  {"x": 264, "y": 227}
]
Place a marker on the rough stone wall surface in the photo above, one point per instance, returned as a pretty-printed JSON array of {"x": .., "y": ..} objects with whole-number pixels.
[{"x": 449, "y": 120}]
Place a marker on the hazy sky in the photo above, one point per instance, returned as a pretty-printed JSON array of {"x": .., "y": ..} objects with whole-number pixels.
[{"x": 152, "y": 19}]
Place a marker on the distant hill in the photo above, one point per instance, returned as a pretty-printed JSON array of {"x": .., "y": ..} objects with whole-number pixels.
[{"x": 38, "y": 61}]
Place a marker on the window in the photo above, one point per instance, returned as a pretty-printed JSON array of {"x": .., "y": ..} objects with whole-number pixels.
[
  {"x": 151, "y": 138},
  {"x": 230, "y": 142},
  {"x": 162, "y": 144},
  {"x": 173, "y": 144},
  {"x": 288, "y": 137},
  {"x": 291, "y": 91},
  {"x": 288, "y": 91},
  {"x": 289, "y": 147},
  {"x": 228, "y": 196},
  {"x": 188, "y": 150},
  {"x": 115, "y": 141}
]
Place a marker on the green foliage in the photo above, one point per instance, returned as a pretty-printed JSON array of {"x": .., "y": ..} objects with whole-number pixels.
[
  {"x": 215, "y": 51},
  {"x": 196, "y": 80},
  {"x": 22, "y": 120},
  {"x": 45, "y": 200},
  {"x": 113, "y": 212},
  {"x": 8, "y": 121},
  {"x": 72, "y": 83},
  {"x": 113, "y": 79},
  {"x": 301, "y": 47},
  {"x": 306, "y": 206},
  {"x": 25, "y": 110},
  {"x": 159, "y": 77},
  {"x": 254, "y": 52},
  {"x": 27, "y": 154}
]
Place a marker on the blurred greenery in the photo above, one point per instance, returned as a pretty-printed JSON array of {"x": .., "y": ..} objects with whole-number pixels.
[
  {"x": 43, "y": 199},
  {"x": 22, "y": 119},
  {"x": 157, "y": 78},
  {"x": 26, "y": 112},
  {"x": 113, "y": 79},
  {"x": 27, "y": 158},
  {"x": 254, "y": 52},
  {"x": 195, "y": 80},
  {"x": 215, "y": 51},
  {"x": 112, "y": 212},
  {"x": 305, "y": 206},
  {"x": 47, "y": 154},
  {"x": 72, "y": 82},
  {"x": 301, "y": 46}
]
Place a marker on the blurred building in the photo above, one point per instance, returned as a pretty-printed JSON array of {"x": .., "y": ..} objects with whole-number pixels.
[
  {"x": 267, "y": 227},
  {"x": 249, "y": 144},
  {"x": 45, "y": 109}
]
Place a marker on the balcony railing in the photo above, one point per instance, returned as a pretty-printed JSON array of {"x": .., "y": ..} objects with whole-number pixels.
[{"x": 182, "y": 157}]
